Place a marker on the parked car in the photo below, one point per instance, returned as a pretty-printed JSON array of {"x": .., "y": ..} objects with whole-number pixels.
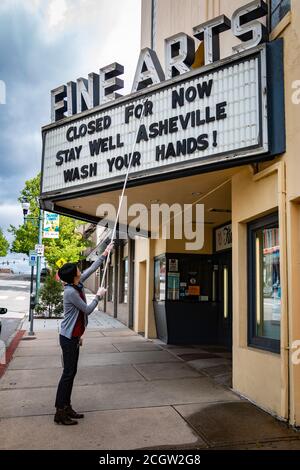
[
  {"x": 3, "y": 311},
  {"x": 45, "y": 272}
]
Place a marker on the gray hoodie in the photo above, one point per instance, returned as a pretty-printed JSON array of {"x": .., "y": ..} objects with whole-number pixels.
[{"x": 73, "y": 303}]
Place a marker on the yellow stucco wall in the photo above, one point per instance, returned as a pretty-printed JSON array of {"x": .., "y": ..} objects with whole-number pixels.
[
  {"x": 256, "y": 373},
  {"x": 271, "y": 380}
]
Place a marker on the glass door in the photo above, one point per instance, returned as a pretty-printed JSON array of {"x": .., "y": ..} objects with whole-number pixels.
[{"x": 225, "y": 299}]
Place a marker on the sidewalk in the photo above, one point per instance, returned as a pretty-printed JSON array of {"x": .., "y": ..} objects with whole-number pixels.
[
  {"x": 97, "y": 319},
  {"x": 134, "y": 393}
]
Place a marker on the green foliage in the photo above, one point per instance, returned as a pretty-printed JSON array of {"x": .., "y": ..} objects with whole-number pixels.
[
  {"x": 68, "y": 246},
  {"x": 4, "y": 245},
  {"x": 26, "y": 236},
  {"x": 51, "y": 298}
]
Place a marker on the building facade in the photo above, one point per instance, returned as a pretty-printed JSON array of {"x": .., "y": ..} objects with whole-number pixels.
[{"x": 240, "y": 290}]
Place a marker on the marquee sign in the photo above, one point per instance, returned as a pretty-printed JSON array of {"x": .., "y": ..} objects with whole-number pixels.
[
  {"x": 227, "y": 112},
  {"x": 211, "y": 115}
]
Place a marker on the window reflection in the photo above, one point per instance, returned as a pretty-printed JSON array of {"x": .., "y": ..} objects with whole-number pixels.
[
  {"x": 160, "y": 279},
  {"x": 268, "y": 288}
]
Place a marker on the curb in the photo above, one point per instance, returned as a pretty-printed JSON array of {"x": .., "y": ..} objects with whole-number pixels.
[{"x": 10, "y": 350}]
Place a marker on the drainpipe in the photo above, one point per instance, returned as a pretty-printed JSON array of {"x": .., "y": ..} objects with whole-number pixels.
[{"x": 279, "y": 168}]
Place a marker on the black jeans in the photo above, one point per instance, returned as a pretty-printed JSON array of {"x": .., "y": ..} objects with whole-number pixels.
[{"x": 70, "y": 351}]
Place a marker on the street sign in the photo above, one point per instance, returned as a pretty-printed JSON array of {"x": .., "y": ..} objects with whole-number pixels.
[
  {"x": 61, "y": 262},
  {"x": 32, "y": 258},
  {"x": 39, "y": 249}
]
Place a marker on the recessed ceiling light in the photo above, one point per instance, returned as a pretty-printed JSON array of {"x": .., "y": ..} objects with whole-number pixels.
[
  {"x": 196, "y": 194},
  {"x": 76, "y": 207}
]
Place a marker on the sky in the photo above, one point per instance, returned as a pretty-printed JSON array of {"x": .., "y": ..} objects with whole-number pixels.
[{"x": 44, "y": 44}]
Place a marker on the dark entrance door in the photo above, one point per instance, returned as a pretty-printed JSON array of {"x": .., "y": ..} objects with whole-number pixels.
[{"x": 224, "y": 263}]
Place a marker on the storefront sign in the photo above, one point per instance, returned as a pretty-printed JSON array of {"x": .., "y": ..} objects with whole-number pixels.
[
  {"x": 98, "y": 89},
  {"x": 211, "y": 116},
  {"x": 223, "y": 238},
  {"x": 183, "y": 120},
  {"x": 51, "y": 225}
]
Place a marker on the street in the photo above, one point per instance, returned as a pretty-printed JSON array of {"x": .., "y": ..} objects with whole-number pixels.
[{"x": 14, "y": 295}]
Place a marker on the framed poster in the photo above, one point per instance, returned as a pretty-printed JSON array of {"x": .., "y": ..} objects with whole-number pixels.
[
  {"x": 223, "y": 238},
  {"x": 173, "y": 265},
  {"x": 51, "y": 225},
  {"x": 173, "y": 286},
  {"x": 194, "y": 290}
]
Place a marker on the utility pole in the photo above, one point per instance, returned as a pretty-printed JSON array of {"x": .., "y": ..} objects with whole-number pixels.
[{"x": 35, "y": 259}]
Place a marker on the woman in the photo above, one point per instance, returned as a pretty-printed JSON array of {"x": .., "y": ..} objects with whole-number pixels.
[{"x": 75, "y": 320}]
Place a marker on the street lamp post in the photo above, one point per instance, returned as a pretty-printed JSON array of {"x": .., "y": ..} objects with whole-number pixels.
[
  {"x": 34, "y": 298},
  {"x": 39, "y": 258}
]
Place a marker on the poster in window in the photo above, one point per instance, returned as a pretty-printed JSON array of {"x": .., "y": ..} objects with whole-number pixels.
[
  {"x": 194, "y": 290},
  {"x": 223, "y": 238},
  {"x": 173, "y": 286},
  {"x": 173, "y": 265}
]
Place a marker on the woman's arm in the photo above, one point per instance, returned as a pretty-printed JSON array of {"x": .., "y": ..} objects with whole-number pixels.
[
  {"x": 75, "y": 299},
  {"x": 86, "y": 274}
]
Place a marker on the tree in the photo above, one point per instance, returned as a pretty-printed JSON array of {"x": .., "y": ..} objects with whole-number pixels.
[
  {"x": 68, "y": 246},
  {"x": 4, "y": 245},
  {"x": 51, "y": 298},
  {"x": 26, "y": 235}
]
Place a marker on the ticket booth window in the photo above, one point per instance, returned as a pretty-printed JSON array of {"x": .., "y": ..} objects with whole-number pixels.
[
  {"x": 264, "y": 284},
  {"x": 160, "y": 279}
]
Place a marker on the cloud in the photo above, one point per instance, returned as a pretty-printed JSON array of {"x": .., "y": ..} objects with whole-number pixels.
[
  {"x": 10, "y": 214},
  {"x": 44, "y": 44},
  {"x": 57, "y": 10}
]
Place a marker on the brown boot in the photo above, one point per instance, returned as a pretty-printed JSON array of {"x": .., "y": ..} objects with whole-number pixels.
[
  {"x": 61, "y": 417},
  {"x": 73, "y": 414}
]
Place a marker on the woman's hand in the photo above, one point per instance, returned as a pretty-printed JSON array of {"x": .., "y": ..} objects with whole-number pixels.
[
  {"x": 101, "y": 291},
  {"x": 108, "y": 249}
]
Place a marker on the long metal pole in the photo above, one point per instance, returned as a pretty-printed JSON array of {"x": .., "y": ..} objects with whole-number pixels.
[
  {"x": 122, "y": 194},
  {"x": 31, "y": 314},
  {"x": 39, "y": 260}
]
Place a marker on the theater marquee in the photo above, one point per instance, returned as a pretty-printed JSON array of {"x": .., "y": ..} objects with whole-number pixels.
[{"x": 215, "y": 115}]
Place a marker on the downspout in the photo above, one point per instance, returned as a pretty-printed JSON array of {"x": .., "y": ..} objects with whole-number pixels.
[{"x": 279, "y": 168}]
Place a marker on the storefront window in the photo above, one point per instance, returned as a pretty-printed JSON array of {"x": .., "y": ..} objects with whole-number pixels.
[
  {"x": 278, "y": 9},
  {"x": 185, "y": 278},
  {"x": 160, "y": 279},
  {"x": 264, "y": 283}
]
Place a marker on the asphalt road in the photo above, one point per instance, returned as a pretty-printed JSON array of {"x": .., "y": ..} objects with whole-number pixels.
[{"x": 14, "y": 295}]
